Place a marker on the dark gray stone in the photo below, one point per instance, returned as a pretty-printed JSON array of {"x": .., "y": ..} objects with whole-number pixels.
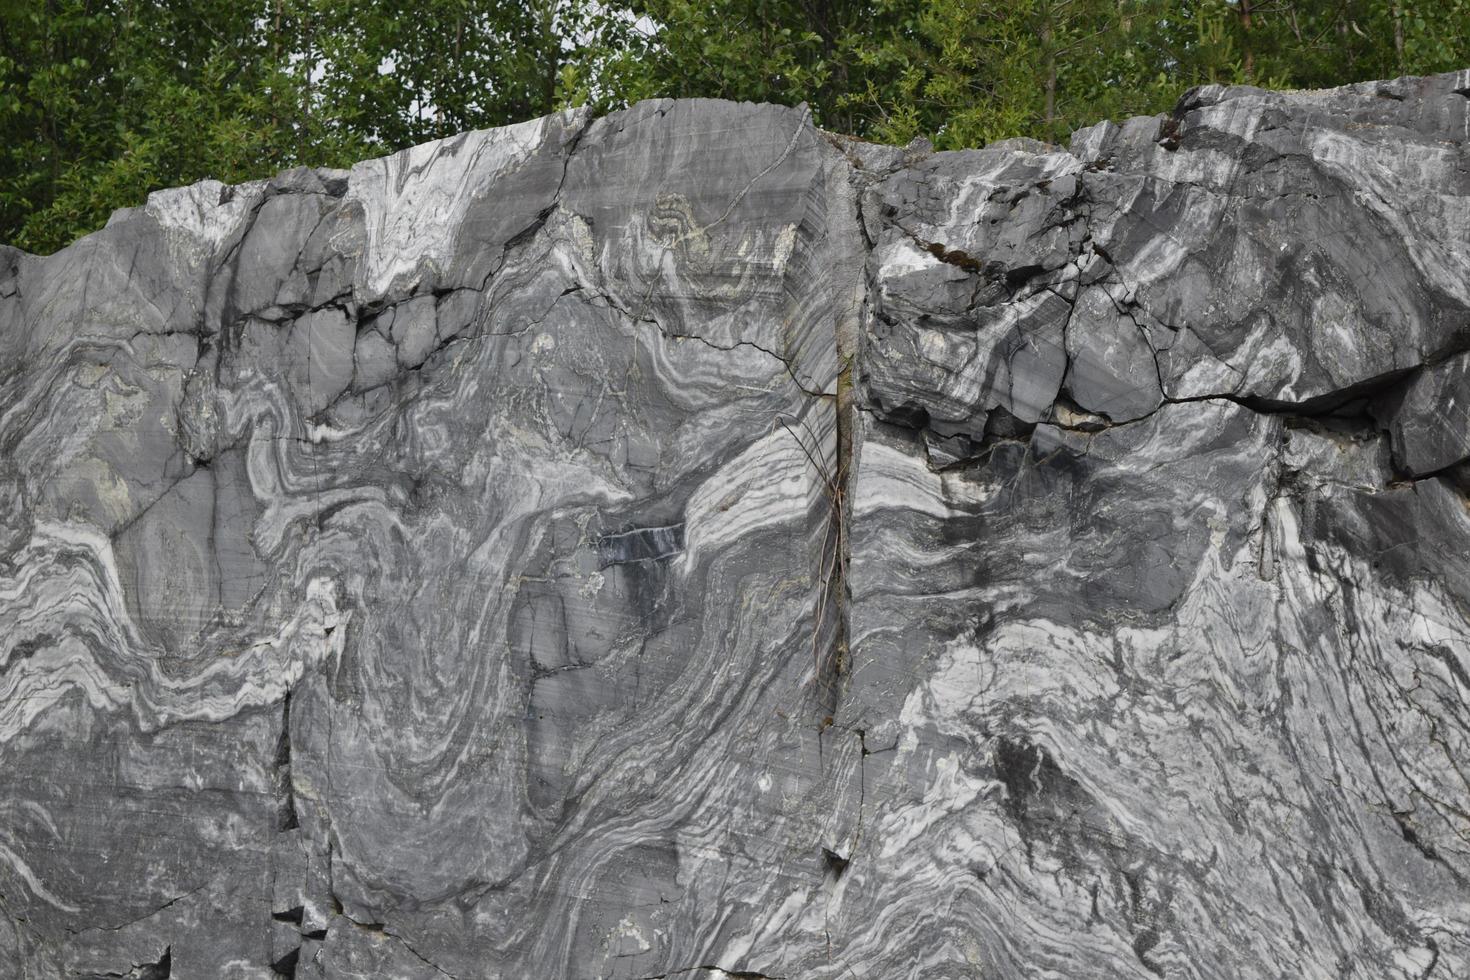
[
  {"x": 690, "y": 543},
  {"x": 1428, "y": 418}
]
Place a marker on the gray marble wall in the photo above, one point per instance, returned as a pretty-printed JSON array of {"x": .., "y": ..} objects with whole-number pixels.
[{"x": 688, "y": 543}]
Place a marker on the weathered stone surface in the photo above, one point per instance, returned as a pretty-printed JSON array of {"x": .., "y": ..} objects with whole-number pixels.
[
  {"x": 690, "y": 543},
  {"x": 1428, "y": 417}
]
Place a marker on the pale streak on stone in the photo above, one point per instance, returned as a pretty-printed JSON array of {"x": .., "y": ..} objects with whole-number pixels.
[
  {"x": 970, "y": 195},
  {"x": 415, "y": 200},
  {"x": 901, "y": 257},
  {"x": 891, "y": 480},
  {"x": 197, "y": 218},
  {"x": 1378, "y": 173},
  {"x": 24, "y": 872},
  {"x": 261, "y": 672},
  {"x": 771, "y": 483}
]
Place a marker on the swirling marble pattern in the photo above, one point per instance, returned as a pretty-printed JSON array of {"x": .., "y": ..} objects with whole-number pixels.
[{"x": 688, "y": 543}]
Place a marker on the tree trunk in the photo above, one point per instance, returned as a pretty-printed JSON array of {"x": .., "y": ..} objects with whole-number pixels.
[
  {"x": 550, "y": 45},
  {"x": 1049, "y": 67},
  {"x": 1248, "y": 59},
  {"x": 1398, "y": 35},
  {"x": 308, "y": 141}
]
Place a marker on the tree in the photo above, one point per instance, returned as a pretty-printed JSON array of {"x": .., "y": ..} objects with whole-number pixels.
[
  {"x": 102, "y": 101},
  {"x": 788, "y": 51}
]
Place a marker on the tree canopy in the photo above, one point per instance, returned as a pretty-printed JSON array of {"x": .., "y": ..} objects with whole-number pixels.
[{"x": 102, "y": 101}]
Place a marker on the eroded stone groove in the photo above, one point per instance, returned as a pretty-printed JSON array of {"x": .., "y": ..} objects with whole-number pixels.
[{"x": 690, "y": 543}]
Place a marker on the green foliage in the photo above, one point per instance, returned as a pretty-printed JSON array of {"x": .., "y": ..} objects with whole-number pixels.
[
  {"x": 788, "y": 51},
  {"x": 102, "y": 101}
]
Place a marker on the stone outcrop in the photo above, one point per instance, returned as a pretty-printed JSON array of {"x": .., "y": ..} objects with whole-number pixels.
[{"x": 689, "y": 543}]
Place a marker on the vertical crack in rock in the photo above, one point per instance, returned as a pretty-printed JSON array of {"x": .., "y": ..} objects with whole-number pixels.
[
  {"x": 844, "y": 405},
  {"x": 286, "y": 814},
  {"x": 1060, "y": 337}
]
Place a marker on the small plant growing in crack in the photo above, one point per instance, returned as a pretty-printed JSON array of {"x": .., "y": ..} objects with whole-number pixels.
[{"x": 832, "y": 573}]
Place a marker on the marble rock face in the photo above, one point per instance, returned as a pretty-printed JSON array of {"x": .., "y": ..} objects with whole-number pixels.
[{"x": 689, "y": 543}]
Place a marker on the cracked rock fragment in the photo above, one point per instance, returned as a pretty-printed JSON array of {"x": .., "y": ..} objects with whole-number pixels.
[{"x": 1428, "y": 418}]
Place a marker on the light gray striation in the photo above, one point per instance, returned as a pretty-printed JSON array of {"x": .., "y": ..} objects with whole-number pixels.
[{"x": 688, "y": 543}]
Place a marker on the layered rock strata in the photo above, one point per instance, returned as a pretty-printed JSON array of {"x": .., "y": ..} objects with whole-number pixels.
[{"x": 689, "y": 543}]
